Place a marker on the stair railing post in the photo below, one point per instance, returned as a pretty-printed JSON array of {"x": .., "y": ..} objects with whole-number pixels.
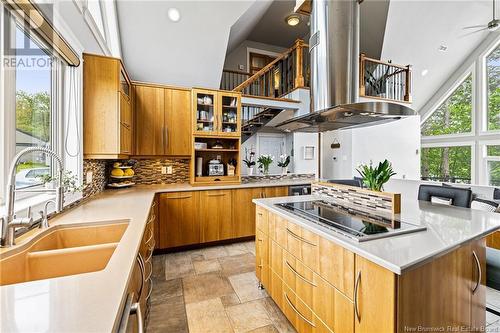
[
  {"x": 362, "y": 86},
  {"x": 408, "y": 84},
  {"x": 299, "y": 79}
]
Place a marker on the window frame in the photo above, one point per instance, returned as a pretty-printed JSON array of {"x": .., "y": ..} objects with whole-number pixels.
[
  {"x": 466, "y": 143},
  {"x": 482, "y": 89},
  {"x": 471, "y": 71},
  {"x": 8, "y": 122}
]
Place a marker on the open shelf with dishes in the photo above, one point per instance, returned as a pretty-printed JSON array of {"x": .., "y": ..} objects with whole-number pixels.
[{"x": 215, "y": 160}]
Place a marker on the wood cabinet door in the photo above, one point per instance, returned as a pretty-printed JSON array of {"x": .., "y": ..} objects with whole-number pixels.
[
  {"x": 244, "y": 218},
  {"x": 262, "y": 258},
  {"x": 125, "y": 140},
  {"x": 276, "y": 191},
  {"x": 179, "y": 222},
  {"x": 375, "y": 299},
  {"x": 228, "y": 114},
  {"x": 178, "y": 122},
  {"x": 150, "y": 122},
  {"x": 478, "y": 301},
  {"x": 215, "y": 211}
]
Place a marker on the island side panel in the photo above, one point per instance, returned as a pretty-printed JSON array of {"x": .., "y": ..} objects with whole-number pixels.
[{"x": 441, "y": 293}]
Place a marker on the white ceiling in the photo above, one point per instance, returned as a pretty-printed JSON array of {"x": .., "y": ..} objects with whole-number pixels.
[
  {"x": 188, "y": 53},
  {"x": 416, "y": 29}
]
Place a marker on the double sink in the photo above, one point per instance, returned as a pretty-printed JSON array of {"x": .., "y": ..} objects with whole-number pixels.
[{"x": 62, "y": 251}]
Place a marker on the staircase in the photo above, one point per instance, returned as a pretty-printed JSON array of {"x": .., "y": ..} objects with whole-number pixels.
[{"x": 255, "y": 118}]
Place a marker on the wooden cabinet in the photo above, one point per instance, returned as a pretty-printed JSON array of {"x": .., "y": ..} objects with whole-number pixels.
[
  {"x": 107, "y": 109},
  {"x": 244, "y": 212},
  {"x": 275, "y": 191},
  {"x": 215, "y": 213},
  {"x": 163, "y": 125},
  {"x": 179, "y": 223},
  {"x": 262, "y": 258},
  {"x": 216, "y": 112}
]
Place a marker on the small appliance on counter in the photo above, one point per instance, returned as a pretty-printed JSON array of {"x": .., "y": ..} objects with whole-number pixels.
[
  {"x": 215, "y": 167},
  {"x": 122, "y": 174},
  {"x": 299, "y": 190}
]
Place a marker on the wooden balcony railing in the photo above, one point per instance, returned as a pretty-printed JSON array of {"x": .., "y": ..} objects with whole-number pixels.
[
  {"x": 284, "y": 74},
  {"x": 231, "y": 79},
  {"x": 384, "y": 80}
]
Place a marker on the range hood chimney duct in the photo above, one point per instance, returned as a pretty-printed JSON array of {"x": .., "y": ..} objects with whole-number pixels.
[{"x": 334, "y": 54}]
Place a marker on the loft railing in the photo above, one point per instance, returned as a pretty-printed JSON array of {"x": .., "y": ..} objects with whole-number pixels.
[
  {"x": 384, "y": 80},
  {"x": 287, "y": 72},
  {"x": 231, "y": 79}
]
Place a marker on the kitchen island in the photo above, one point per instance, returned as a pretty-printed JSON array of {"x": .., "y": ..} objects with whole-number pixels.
[{"x": 323, "y": 281}]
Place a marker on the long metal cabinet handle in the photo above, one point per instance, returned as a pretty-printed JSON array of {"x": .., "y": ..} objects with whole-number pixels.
[
  {"x": 299, "y": 238},
  {"x": 166, "y": 136},
  {"x": 297, "y": 312},
  {"x": 479, "y": 275},
  {"x": 216, "y": 195},
  {"x": 356, "y": 287},
  {"x": 136, "y": 309},
  {"x": 299, "y": 275},
  {"x": 140, "y": 261}
]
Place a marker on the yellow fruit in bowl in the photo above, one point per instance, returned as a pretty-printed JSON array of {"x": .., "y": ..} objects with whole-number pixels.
[
  {"x": 117, "y": 172},
  {"x": 129, "y": 172},
  {"x": 117, "y": 165}
]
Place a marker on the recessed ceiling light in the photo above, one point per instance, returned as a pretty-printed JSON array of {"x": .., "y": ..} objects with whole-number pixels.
[
  {"x": 424, "y": 72},
  {"x": 293, "y": 20},
  {"x": 174, "y": 15},
  {"x": 442, "y": 48}
]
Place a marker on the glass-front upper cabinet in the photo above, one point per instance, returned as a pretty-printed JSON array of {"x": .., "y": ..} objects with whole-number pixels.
[
  {"x": 216, "y": 112},
  {"x": 124, "y": 83},
  {"x": 205, "y": 107},
  {"x": 230, "y": 109}
]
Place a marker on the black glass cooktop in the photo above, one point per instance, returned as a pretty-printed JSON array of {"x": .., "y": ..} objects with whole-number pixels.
[{"x": 356, "y": 224}]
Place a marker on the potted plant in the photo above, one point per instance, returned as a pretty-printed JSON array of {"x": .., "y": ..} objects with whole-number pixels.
[
  {"x": 374, "y": 178},
  {"x": 264, "y": 162},
  {"x": 283, "y": 163},
  {"x": 69, "y": 182},
  {"x": 249, "y": 162}
]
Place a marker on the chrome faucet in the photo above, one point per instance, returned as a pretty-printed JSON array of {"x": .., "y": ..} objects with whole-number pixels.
[{"x": 10, "y": 222}]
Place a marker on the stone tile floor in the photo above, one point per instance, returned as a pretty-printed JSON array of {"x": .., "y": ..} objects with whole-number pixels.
[{"x": 212, "y": 290}]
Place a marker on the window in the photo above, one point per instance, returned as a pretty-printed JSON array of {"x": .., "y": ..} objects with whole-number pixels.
[
  {"x": 492, "y": 164},
  {"x": 33, "y": 117},
  {"x": 447, "y": 164},
  {"x": 454, "y": 115},
  {"x": 493, "y": 89}
]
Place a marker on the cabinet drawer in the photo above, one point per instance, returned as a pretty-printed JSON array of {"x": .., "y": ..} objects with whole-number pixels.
[
  {"x": 276, "y": 258},
  {"x": 277, "y": 229},
  {"x": 336, "y": 265},
  {"x": 262, "y": 258},
  {"x": 262, "y": 219},
  {"x": 304, "y": 244}
]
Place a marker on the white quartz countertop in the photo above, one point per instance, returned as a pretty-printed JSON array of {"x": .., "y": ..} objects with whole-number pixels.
[
  {"x": 91, "y": 302},
  {"x": 448, "y": 228}
]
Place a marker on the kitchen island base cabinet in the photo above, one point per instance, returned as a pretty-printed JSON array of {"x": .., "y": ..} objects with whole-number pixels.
[{"x": 340, "y": 291}]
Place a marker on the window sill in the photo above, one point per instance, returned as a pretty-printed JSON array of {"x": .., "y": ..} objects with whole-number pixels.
[{"x": 37, "y": 203}]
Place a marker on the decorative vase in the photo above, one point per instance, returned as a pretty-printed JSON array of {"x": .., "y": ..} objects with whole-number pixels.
[
  {"x": 265, "y": 170},
  {"x": 284, "y": 171},
  {"x": 250, "y": 171}
]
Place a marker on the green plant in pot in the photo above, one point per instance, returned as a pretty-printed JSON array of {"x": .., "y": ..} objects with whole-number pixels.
[
  {"x": 69, "y": 182},
  {"x": 374, "y": 178},
  {"x": 264, "y": 162}
]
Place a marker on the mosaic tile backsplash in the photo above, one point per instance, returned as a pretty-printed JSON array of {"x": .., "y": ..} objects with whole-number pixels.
[
  {"x": 255, "y": 179},
  {"x": 98, "y": 168},
  {"x": 381, "y": 203}
]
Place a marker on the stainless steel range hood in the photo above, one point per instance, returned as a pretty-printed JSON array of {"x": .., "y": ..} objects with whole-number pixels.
[{"x": 334, "y": 53}]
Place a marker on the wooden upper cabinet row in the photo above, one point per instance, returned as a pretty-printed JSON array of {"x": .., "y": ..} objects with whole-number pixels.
[
  {"x": 216, "y": 113},
  {"x": 107, "y": 115},
  {"x": 163, "y": 123}
]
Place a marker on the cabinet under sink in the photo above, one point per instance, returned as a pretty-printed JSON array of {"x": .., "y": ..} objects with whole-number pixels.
[{"x": 62, "y": 251}]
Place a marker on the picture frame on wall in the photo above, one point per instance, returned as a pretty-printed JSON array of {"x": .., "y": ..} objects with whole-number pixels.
[{"x": 308, "y": 152}]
